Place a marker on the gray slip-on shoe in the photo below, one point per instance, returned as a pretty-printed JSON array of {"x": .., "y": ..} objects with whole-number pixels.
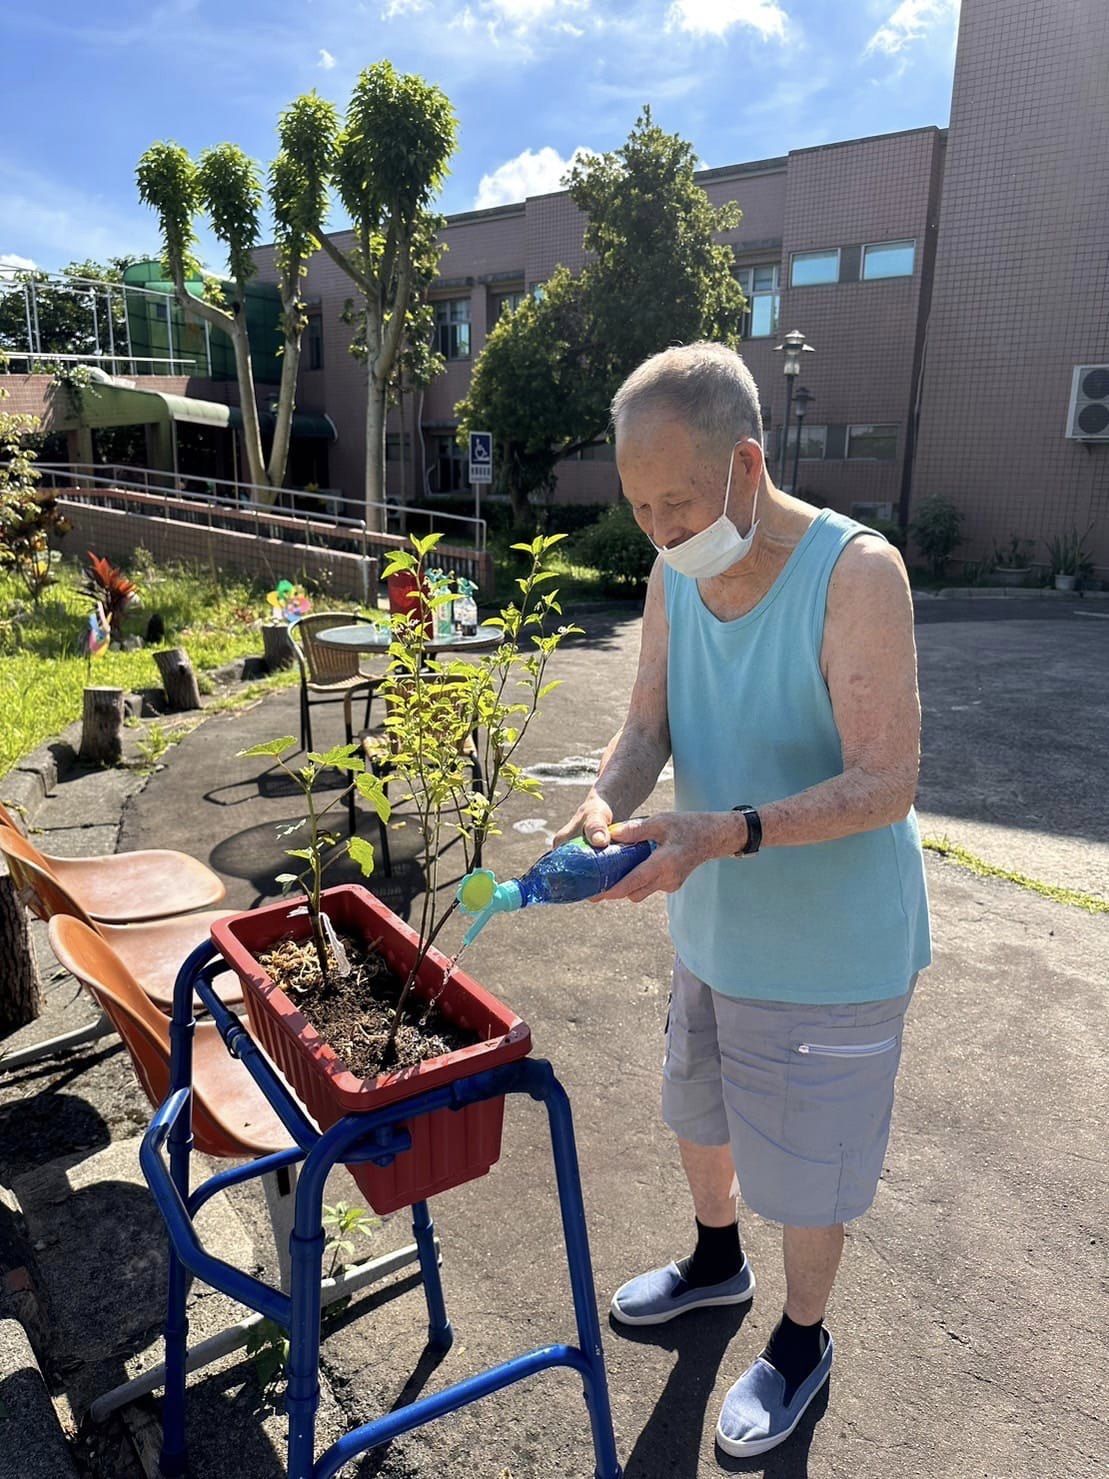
[
  {"x": 755, "y": 1417},
  {"x": 661, "y": 1295}
]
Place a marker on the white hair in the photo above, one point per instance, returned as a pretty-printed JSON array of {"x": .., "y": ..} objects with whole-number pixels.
[{"x": 706, "y": 386}]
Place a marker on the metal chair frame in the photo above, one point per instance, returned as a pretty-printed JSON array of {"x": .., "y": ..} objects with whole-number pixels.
[
  {"x": 308, "y": 655},
  {"x": 378, "y": 1136}
]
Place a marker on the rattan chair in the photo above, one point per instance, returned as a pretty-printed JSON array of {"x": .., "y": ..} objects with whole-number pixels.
[{"x": 328, "y": 672}]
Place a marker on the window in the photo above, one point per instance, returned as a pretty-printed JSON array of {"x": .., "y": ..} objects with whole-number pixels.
[
  {"x": 505, "y": 303},
  {"x": 392, "y": 446},
  {"x": 314, "y": 345},
  {"x": 598, "y": 452},
  {"x": 889, "y": 259},
  {"x": 451, "y": 472},
  {"x": 814, "y": 441},
  {"x": 760, "y": 287},
  {"x": 874, "y": 443},
  {"x": 452, "y": 328},
  {"x": 808, "y": 268}
]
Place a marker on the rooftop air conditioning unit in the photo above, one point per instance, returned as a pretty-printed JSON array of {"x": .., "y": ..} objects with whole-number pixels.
[{"x": 1088, "y": 413}]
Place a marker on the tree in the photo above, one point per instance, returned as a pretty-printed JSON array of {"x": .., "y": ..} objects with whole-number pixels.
[
  {"x": 656, "y": 276},
  {"x": 390, "y": 158},
  {"x": 226, "y": 185},
  {"x": 63, "y": 316}
]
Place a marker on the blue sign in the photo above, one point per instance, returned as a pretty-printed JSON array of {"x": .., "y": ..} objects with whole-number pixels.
[{"x": 481, "y": 457}]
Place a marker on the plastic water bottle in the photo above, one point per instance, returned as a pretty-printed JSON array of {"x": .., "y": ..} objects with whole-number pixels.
[
  {"x": 565, "y": 875},
  {"x": 465, "y": 608}
]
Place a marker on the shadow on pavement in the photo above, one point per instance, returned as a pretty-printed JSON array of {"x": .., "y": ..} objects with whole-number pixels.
[{"x": 669, "y": 1445}]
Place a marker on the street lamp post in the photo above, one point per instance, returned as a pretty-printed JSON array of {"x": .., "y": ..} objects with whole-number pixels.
[
  {"x": 802, "y": 400},
  {"x": 793, "y": 345}
]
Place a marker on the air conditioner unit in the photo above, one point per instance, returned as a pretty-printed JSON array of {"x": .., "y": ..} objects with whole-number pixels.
[
  {"x": 1088, "y": 413},
  {"x": 864, "y": 511}
]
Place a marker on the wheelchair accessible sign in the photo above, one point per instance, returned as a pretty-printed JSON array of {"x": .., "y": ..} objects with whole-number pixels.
[{"x": 481, "y": 457}]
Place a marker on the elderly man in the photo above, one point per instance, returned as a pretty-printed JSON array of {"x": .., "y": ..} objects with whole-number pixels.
[{"x": 778, "y": 669}]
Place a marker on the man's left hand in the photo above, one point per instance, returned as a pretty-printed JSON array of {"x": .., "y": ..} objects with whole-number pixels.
[{"x": 685, "y": 840}]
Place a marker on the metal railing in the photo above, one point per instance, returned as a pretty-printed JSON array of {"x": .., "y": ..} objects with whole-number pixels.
[
  {"x": 176, "y": 364},
  {"x": 223, "y": 497}
]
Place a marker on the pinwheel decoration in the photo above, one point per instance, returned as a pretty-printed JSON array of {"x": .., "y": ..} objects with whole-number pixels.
[{"x": 289, "y": 601}]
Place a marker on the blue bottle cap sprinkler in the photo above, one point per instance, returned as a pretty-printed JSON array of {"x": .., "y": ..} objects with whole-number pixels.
[{"x": 479, "y": 893}]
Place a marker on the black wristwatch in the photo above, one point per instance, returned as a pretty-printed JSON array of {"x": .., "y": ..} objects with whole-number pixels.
[{"x": 754, "y": 831}]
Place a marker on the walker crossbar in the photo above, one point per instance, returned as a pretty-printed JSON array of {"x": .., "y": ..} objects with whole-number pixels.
[{"x": 379, "y": 1136}]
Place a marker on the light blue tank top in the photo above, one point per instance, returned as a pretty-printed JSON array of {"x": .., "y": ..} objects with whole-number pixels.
[{"x": 751, "y": 721}]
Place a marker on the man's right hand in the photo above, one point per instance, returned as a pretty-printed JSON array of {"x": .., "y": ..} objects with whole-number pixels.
[{"x": 591, "y": 821}]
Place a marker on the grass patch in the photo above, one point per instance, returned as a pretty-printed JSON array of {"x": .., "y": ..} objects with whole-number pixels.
[
  {"x": 1074, "y": 898},
  {"x": 41, "y": 681}
]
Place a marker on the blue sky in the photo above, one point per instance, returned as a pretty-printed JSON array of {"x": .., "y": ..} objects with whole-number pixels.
[{"x": 531, "y": 80}]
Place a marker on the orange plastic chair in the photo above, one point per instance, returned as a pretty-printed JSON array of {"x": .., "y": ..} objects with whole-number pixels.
[
  {"x": 130, "y": 887},
  {"x": 231, "y": 1117},
  {"x": 152, "y": 951}
]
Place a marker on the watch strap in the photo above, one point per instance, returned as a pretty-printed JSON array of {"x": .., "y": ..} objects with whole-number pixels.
[{"x": 754, "y": 830}]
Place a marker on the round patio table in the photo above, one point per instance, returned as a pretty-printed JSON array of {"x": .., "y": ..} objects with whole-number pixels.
[{"x": 366, "y": 638}]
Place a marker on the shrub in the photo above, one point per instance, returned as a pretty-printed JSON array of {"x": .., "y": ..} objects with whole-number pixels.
[
  {"x": 616, "y": 547},
  {"x": 889, "y": 530},
  {"x": 936, "y": 529}
]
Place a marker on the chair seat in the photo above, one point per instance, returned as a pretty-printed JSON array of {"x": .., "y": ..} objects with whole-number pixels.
[
  {"x": 340, "y": 685},
  {"x": 153, "y": 953},
  {"x": 233, "y": 1117},
  {"x": 130, "y": 887}
]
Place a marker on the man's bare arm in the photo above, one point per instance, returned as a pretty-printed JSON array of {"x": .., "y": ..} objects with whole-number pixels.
[{"x": 635, "y": 755}]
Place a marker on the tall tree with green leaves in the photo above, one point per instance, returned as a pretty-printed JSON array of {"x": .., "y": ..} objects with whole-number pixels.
[
  {"x": 226, "y": 185},
  {"x": 656, "y": 275},
  {"x": 390, "y": 158}
]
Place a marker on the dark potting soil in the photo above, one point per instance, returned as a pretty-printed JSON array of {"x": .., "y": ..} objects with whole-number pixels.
[{"x": 353, "y": 1013}]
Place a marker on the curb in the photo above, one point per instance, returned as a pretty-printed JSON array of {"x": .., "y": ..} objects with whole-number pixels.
[{"x": 33, "y": 1446}]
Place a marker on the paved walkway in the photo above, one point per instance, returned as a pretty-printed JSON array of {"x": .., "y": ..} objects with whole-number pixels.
[{"x": 967, "y": 1313}]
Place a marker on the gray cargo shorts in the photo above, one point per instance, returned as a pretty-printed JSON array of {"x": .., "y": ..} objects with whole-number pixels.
[{"x": 802, "y": 1093}]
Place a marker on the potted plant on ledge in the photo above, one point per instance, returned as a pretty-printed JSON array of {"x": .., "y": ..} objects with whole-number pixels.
[
  {"x": 1010, "y": 562},
  {"x": 356, "y": 1008},
  {"x": 1069, "y": 559}
]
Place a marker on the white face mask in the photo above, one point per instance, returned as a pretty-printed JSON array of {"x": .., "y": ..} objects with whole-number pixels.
[{"x": 716, "y": 548}]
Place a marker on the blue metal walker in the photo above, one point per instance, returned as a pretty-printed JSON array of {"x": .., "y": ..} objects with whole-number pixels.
[{"x": 377, "y": 1136}]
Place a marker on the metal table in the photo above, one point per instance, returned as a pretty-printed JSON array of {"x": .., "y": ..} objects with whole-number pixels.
[
  {"x": 379, "y": 1135},
  {"x": 365, "y": 638}
]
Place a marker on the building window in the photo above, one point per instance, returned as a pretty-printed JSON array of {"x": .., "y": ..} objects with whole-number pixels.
[
  {"x": 451, "y": 472},
  {"x": 889, "y": 259},
  {"x": 808, "y": 268},
  {"x": 392, "y": 446},
  {"x": 761, "y": 289},
  {"x": 505, "y": 303},
  {"x": 452, "y": 328},
  {"x": 814, "y": 442},
  {"x": 314, "y": 345},
  {"x": 872, "y": 443},
  {"x": 598, "y": 452}
]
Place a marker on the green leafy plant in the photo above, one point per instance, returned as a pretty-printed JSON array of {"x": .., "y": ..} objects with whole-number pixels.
[
  {"x": 27, "y": 518},
  {"x": 323, "y": 849},
  {"x": 616, "y": 547},
  {"x": 936, "y": 530},
  {"x": 1014, "y": 555},
  {"x": 436, "y": 710},
  {"x": 1068, "y": 554},
  {"x": 268, "y": 1346},
  {"x": 343, "y": 1224},
  {"x": 154, "y": 745}
]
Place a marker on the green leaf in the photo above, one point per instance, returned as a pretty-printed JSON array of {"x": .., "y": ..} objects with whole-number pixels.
[
  {"x": 362, "y": 853},
  {"x": 287, "y": 881},
  {"x": 340, "y": 757},
  {"x": 525, "y": 547},
  {"x": 371, "y": 789},
  {"x": 425, "y": 545},
  {"x": 550, "y": 687},
  {"x": 274, "y": 747},
  {"x": 550, "y": 540},
  {"x": 306, "y": 853}
]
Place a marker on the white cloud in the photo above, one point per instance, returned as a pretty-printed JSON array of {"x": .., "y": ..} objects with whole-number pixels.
[
  {"x": 911, "y": 21},
  {"x": 717, "y": 17},
  {"x": 531, "y": 173},
  {"x": 402, "y": 7},
  {"x": 327, "y": 61},
  {"x": 10, "y": 264}
]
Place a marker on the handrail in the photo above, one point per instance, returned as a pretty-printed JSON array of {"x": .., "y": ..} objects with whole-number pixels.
[
  {"x": 113, "y": 359},
  {"x": 152, "y": 481}
]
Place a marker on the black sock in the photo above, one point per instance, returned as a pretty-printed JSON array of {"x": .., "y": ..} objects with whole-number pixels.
[
  {"x": 795, "y": 1350},
  {"x": 716, "y": 1257}
]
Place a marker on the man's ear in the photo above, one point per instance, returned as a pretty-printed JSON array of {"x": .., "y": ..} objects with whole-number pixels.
[{"x": 753, "y": 459}]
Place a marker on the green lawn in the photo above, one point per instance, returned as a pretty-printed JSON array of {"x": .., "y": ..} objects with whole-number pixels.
[{"x": 42, "y": 679}]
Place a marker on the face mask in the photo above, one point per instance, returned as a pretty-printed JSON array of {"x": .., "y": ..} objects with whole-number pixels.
[{"x": 716, "y": 548}]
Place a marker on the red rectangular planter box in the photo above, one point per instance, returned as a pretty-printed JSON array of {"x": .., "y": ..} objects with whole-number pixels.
[{"x": 449, "y": 1146}]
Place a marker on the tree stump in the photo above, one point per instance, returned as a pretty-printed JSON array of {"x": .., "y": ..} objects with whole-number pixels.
[
  {"x": 101, "y": 726},
  {"x": 277, "y": 646},
  {"x": 178, "y": 679},
  {"x": 20, "y": 1002}
]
